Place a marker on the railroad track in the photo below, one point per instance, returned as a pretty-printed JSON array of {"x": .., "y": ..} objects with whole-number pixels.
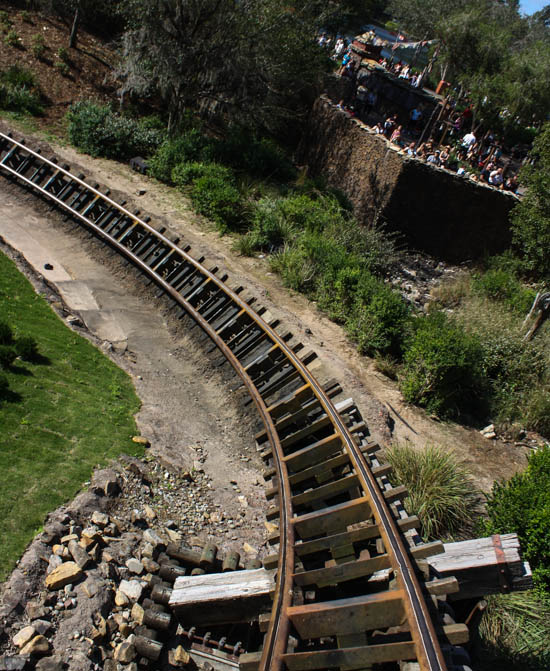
[{"x": 349, "y": 593}]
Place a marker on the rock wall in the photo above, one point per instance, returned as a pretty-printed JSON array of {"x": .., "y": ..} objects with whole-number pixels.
[{"x": 435, "y": 210}]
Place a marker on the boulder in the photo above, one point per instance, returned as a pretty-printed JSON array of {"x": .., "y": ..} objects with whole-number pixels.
[
  {"x": 24, "y": 636},
  {"x": 67, "y": 573},
  {"x": 131, "y": 588},
  {"x": 39, "y": 645},
  {"x": 125, "y": 652},
  {"x": 54, "y": 663}
]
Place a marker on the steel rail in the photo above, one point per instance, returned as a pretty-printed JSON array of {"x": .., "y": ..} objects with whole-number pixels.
[{"x": 425, "y": 641}]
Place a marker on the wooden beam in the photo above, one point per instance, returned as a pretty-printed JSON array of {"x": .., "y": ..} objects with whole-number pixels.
[
  {"x": 333, "y": 575},
  {"x": 326, "y": 492},
  {"x": 332, "y": 518},
  {"x": 313, "y": 454},
  {"x": 350, "y": 658},
  {"x": 348, "y": 616}
]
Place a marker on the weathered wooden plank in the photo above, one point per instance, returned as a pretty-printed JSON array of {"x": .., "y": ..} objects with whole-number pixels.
[
  {"x": 441, "y": 586},
  {"x": 313, "y": 454},
  {"x": 475, "y": 565},
  {"x": 350, "y": 658},
  {"x": 333, "y": 575},
  {"x": 332, "y": 518},
  {"x": 348, "y": 616},
  {"x": 427, "y": 550},
  {"x": 327, "y": 491}
]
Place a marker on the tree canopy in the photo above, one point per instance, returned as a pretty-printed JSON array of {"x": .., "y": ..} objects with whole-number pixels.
[
  {"x": 501, "y": 58},
  {"x": 251, "y": 61}
]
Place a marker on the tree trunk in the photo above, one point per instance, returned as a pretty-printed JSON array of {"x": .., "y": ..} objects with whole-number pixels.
[{"x": 74, "y": 29}]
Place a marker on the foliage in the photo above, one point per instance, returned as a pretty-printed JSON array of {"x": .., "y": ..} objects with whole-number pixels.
[
  {"x": 6, "y": 334},
  {"x": 62, "y": 68},
  {"x": 59, "y": 418},
  {"x": 256, "y": 155},
  {"x": 12, "y": 39},
  {"x": 26, "y": 348},
  {"x": 191, "y": 146},
  {"x": 443, "y": 367},
  {"x": 501, "y": 58},
  {"x": 254, "y": 62},
  {"x": 531, "y": 217},
  {"x": 220, "y": 201},
  {"x": 522, "y": 505},
  {"x": 498, "y": 284},
  {"x": 441, "y": 490},
  {"x": 63, "y": 55},
  {"x": 96, "y": 130},
  {"x": 38, "y": 46},
  {"x": 185, "y": 174},
  {"x": 7, "y": 355},
  {"x": 4, "y": 385},
  {"x": 103, "y": 17},
  {"x": 514, "y": 632},
  {"x": 379, "y": 318}
]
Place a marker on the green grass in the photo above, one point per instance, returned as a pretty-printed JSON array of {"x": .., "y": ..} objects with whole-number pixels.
[
  {"x": 60, "y": 418},
  {"x": 441, "y": 490},
  {"x": 513, "y": 633}
]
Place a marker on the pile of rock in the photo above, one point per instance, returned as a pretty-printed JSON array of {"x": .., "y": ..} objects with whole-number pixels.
[{"x": 96, "y": 595}]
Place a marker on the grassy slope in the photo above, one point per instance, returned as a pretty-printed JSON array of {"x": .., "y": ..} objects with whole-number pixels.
[{"x": 62, "y": 417}]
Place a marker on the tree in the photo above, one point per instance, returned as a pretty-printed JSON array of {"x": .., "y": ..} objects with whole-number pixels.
[
  {"x": 251, "y": 61},
  {"x": 531, "y": 217}
]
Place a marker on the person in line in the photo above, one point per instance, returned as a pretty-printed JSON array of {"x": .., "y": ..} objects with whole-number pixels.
[
  {"x": 396, "y": 136},
  {"x": 389, "y": 125},
  {"x": 496, "y": 178}
]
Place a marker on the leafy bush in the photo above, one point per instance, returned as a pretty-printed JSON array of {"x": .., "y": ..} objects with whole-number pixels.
[
  {"x": 296, "y": 269},
  {"x": 5, "y": 20},
  {"x": 62, "y": 68},
  {"x": 441, "y": 491},
  {"x": 522, "y": 505},
  {"x": 96, "y": 130},
  {"x": 6, "y": 334},
  {"x": 26, "y": 17},
  {"x": 530, "y": 219},
  {"x": 7, "y": 355},
  {"x": 218, "y": 200},
  {"x": 379, "y": 318},
  {"x": 443, "y": 367},
  {"x": 63, "y": 55},
  {"x": 26, "y": 348},
  {"x": 192, "y": 146},
  {"x": 499, "y": 284},
  {"x": 12, "y": 39},
  {"x": 38, "y": 46},
  {"x": 4, "y": 384},
  {"x": 258, "y": 156},
  {"x": 185, "y": 174},
  {"x": 18, "y": 91}
]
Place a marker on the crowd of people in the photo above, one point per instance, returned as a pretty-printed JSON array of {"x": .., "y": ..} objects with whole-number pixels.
[{"x": 480, "y": 159}]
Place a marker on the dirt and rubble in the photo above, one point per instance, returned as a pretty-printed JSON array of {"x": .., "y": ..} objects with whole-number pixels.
[{"x": 91, "y": 591}]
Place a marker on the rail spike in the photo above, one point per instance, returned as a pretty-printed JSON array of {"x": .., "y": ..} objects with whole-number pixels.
[{"x": 340, "y": 533}]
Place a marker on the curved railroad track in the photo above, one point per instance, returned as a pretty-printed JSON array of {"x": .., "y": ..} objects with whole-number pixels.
[{"x": 348, "y": 593}]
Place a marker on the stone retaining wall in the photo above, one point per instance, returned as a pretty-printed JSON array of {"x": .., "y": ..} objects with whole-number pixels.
[{"x": 434, "y": 209}]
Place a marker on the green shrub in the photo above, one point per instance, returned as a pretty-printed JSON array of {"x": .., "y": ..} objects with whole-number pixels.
[
  {"x": 62, "y": 68},
  {"x": 513, "y": 633},
  {"x": 4, "y": 384},
  {"x": 38, "y": 46},
  {"x": 522, "y": 505},
  {"x": 499, "y": 284},
  {"x": 7, "y": 355},
  {"x": 218, "y": 200},
  {"x": 5, "y": 18},
  {"x": 258, "y": 156},
  {"x": 63, "y": 55},
  {"x": 26, "y": 17},
  {"x": 536, "y": 412},
  {"x": 26, "y": 348},
  {"x": 530, "y": 218},
  {"x": 18, "y": 76},
  {"x": 379, "y": 318},
  {"x": 192, "y": 146},
  {"x": 296, "y": 269},
  {"x": 6, "y": 334},
  {"x": 441, "y": 490},
  {"x": 185, "y": 174},
  {"x": 443, "y": 367},
  {"x": 12, "y": 39},
  {"x": 96, "y": 130}
]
